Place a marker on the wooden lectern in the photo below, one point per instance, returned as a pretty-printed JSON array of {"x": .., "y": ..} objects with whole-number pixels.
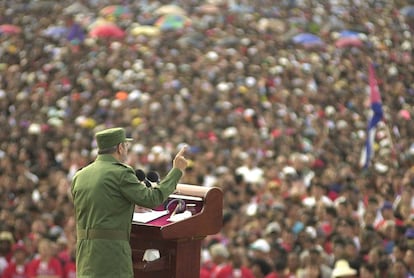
[{"x": 179, "y": 243}]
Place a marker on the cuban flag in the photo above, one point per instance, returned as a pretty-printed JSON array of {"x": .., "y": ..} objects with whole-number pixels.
[{"x": 377, "y": 114}]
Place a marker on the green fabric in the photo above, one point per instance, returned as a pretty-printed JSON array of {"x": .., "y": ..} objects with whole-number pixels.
[
  {"x": 104, "y": 195},
  {"x": 102, "y": 234},
  {"x": 110, "y": 137}
]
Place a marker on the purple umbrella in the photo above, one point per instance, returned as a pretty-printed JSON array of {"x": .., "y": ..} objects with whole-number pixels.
[{"x": 76, "y": 33}]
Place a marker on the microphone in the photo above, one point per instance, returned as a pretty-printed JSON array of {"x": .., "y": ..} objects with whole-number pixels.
[
  {"x": 142, "y": 178},
  {"x": 153, "y": 176},
  {"x": 140, "y": 174}
]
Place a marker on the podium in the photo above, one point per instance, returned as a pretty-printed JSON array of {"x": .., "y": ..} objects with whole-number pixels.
[{"x": 179, "y": 243}]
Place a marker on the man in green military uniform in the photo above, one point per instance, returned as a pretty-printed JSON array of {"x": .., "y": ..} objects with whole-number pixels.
[{"x": 105, "y": 194}]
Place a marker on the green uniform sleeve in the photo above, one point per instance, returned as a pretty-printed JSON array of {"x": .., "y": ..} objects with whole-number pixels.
[{"x": 149, "y": 197}]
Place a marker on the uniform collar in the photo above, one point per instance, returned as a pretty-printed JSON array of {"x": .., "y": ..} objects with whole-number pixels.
[{"x": 106, "y": 157}]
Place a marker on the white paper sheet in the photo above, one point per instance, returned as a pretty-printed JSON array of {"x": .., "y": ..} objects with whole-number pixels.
[
  {"x": 144, "y": 217},
  {"x": 180, "y": 216}
]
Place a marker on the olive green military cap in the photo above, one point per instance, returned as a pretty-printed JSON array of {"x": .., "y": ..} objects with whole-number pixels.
[{"x": 111, "y": 137}]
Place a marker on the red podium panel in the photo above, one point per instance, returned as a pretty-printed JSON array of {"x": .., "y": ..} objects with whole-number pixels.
[{"x": 179, "y": 243}]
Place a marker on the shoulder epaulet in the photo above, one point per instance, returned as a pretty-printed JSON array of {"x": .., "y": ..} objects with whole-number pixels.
[
  {"x": 90, "y": 162},
  {"x": 123, "y": 165}
]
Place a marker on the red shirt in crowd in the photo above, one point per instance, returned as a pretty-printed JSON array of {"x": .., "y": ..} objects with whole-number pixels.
[
  {"x": 204, "y": 273},
  {"x": 15, "y": 271},
  {"x": 38, "y": 267},
  {"x": 227, "y": 271},
  {"x": 70, "y": 269}
]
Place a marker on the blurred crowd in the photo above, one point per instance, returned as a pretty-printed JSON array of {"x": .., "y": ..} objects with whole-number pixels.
[{"x": 274, "y": 116}]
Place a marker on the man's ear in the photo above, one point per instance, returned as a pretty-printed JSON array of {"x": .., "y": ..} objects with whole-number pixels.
[{"x": 118, "y": 148}]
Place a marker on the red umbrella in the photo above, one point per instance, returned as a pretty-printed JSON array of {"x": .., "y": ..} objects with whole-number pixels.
[
  {"x": 348, "y": 42},
  {"x": 107, "y": 31},
  {"x": 10, "y": 29}
]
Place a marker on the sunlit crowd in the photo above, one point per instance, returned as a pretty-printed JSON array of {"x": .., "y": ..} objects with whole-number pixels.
[{"x": 272, "y": 97}]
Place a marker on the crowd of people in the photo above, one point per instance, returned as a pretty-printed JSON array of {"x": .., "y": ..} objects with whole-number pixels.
[{"x": 272, "y": 97}]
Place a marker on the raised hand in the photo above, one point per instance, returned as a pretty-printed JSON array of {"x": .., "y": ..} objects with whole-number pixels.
[{"x": 179, "y": 160}]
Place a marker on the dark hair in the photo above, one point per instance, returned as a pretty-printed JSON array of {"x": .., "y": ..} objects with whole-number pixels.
[
  {"x": 227, "y": 217},
  {"x": 339, "y": 240},
  {"x": 280, "y": 263},
  {"x": 108, "y": 150},
  {"x": 331, "y": 211},
  {"x": 265, "y": 267},
  {"x": 383, "y": 264},
  {"x": 369, "y": 267}
]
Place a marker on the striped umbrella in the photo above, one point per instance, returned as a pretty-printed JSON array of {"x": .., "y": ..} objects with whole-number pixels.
[
  {"x": 172, "y": 22},
  {"x": 116, "y": 11}
]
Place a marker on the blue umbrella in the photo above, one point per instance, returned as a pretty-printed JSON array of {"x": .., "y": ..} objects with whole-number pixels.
[
  {"x": 407, "y": 11},
  {"x": 55, "y": 32},
  {"x": 307, "y": 39},
  {"x": 348, "y": 34}
]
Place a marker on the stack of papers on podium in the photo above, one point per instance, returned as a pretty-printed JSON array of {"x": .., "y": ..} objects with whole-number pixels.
[
  {"x": 180, "y": 216},
  {"x": 147, "y": 216}
]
